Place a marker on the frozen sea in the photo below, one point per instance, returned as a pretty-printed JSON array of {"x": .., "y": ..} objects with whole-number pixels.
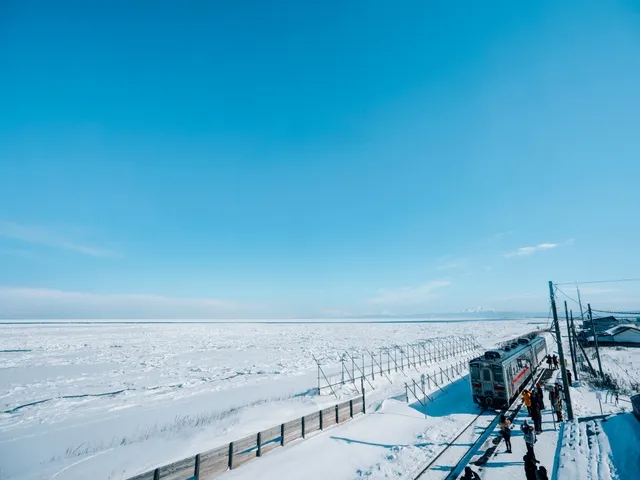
[{"x": 108, "y": 400}]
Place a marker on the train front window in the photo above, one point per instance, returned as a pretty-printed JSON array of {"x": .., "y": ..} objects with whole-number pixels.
[
  {"x": 486, "y": 374},
  {"x": 497, "y": 374},
  {"x": 475, "y": 372}
]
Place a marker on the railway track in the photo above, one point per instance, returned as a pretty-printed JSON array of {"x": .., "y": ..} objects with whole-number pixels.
[{"x": 468, "y": 455}]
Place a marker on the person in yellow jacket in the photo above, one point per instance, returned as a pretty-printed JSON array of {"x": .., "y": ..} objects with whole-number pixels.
[{"x": 526, "y": 396}]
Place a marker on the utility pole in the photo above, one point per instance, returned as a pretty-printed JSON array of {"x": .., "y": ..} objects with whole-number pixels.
[
  {"x": 595, "y": 340},
  {"x": 563, "y": 367},
  {"x": 580, "y": 303},
  {"x": 573, "y": 356},
  {"x": 575, "y": 347}
]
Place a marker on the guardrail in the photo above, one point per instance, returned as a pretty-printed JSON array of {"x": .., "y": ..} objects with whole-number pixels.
[{"x": 214, "y": 462}]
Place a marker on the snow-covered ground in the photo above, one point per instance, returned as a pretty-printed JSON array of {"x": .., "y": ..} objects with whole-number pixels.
[
  {"x": 597, "y": 449},
  {"x": 396, "y": 440},
  {"x": 109, "y": 401}
]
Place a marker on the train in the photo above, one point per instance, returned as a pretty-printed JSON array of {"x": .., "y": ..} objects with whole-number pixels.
[{"x": 498, "y": 376}]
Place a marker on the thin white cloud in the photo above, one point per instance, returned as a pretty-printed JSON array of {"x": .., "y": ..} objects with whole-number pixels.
[
  {"x": 417, "y": 294},
  {"x": 451, "y": 264},
  {"x": 527, "y": 251},
  {"x": 597, "y": 291},
  {"x": 24, "y": 302},
  {"x": 49, "y": 238}
]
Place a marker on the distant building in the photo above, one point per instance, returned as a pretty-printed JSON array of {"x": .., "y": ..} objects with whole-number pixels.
[
  {"x": 601, "y": 325},
  {"x": 605, "y": 323},
  {"x": 620, "y": 335}
]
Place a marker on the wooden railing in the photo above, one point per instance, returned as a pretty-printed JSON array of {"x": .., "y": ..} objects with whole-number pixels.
[{"x": 214, "y": 462}]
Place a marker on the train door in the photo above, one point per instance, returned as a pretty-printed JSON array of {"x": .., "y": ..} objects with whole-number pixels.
[{"x": 487, "y": 380}]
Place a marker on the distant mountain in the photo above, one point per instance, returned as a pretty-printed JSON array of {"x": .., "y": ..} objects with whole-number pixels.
[
  {"x": 480, "y": 309},
  {"x": 471, "y": 314}
]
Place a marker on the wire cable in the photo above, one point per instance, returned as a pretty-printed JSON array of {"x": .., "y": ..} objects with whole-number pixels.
[
  {"x": 615, "y": 280},
  {"x": 615, "y": 313}
]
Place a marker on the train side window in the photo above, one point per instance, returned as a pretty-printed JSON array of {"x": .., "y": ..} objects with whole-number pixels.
[
  {"x": 486, "y": 374},
  {"x": 475, "y": 372},
  {"x": 497, "y": 374}
]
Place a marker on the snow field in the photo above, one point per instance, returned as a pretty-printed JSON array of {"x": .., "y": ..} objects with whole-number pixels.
[{"x": 120, "y": 399}]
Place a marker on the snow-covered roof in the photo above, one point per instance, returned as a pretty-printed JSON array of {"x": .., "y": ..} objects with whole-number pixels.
[{"x": 619, "y": 329}]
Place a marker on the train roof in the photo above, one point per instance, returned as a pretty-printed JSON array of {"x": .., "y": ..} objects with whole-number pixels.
[{"x": 509, "y": 349}]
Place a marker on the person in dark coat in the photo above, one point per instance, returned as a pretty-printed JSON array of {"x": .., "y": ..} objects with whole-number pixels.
[
  {"x": 549, "y": 362},
  {"x": 555, "y": 362},
  {"x": 569, "y": 377},
  {"x": 542, "y": 473},
  {"x": 530, "y": 469},
  {"x": 540, "y": 395},
  {"x": 536, "y": 416},
  {"x": 469, "y": 474}
]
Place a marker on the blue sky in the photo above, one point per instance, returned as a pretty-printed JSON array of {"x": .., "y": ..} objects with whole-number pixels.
[{"x": 267, "y": 159}]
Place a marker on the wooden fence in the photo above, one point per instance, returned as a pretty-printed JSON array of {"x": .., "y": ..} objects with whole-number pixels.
[{"x": 214, "y": 462}]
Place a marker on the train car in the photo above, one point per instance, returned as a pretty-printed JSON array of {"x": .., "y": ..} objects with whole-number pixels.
[{"x": 499, "y": 375}]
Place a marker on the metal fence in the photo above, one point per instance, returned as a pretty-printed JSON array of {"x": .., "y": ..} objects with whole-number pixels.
[{"x": 358, "y": 367}]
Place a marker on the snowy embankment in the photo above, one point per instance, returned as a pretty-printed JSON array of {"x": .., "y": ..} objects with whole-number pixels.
[
  {"x": 597, "y": 448},
  {"x": 396, "y": 440},
  {"x": 108, "y": 401}
]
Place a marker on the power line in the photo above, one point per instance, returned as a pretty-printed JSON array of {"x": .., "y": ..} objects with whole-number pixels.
[
  {"x": 560, "y": 291},
  {"x": 616, "y": 280},
  {"x": 618, "y": 313}
]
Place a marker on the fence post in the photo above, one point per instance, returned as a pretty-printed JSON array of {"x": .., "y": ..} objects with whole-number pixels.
[
  {"x": 395, "y": 356},
  {"x": 351, "y": 408},
  {"x": 231, "y": 456},
  {"x": 321, "y": 420},
  {"x": 337, "y": 416},
  {"x": 406, "y": 392},
  {"x": 373, "y": 373},
  {"x": 303, "y": 429},
  {"x": 196, "y": 469},
  {"x": 364, "y": 398},
  {"x": 259, "y": 442},
  {"x": 156, "y": 474},
  {"x": 282, "y": 435}
]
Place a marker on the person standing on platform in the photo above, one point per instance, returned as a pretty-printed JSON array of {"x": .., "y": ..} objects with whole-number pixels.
[
  {"x": 536, "y": 415},
  {"x": 559, "y": 406},
  {"x": 526, "y": 396},
  {"x": 555, "y": 361},
  {"x": 505, "y": 430},
  {"x": 529, "y": 438},
  {"x": 540, "y": 395},
  {"x": 469, "y": 474},
  {"x": 569, "y": 378},
  {"x": 530, "y": 469},
  {"x": 542, "y": 473}
]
